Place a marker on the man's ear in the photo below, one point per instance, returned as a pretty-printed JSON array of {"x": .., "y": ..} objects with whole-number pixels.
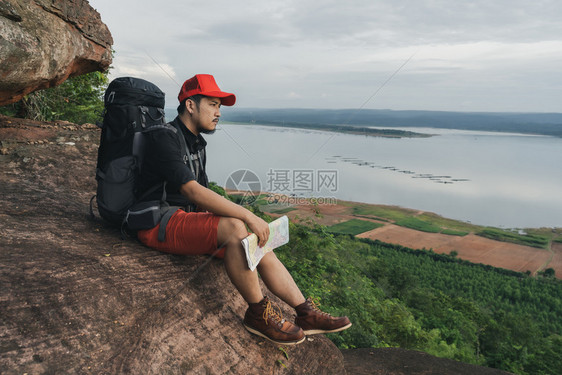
[{"x": 190, "y": 106}]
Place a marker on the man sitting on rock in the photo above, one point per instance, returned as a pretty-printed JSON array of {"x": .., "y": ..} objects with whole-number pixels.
[{"x": 210, "y": 222}]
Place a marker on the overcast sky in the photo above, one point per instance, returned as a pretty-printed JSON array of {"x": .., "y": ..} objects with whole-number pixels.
[{"x": 485, "y": 55}]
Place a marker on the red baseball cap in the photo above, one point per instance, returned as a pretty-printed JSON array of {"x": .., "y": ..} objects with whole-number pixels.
[{"x": 204, "y": 84}]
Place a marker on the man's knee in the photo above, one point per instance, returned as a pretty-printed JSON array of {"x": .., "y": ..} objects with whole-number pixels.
[{"x": 231, "y": 230}]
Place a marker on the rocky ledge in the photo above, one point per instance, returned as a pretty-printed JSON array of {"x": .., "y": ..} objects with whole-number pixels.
[{"x": 76, "y": 298}]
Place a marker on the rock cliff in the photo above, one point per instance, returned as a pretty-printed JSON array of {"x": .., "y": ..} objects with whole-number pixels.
[
  {"x": 75, "y": 298},
  {"x": 43, "y": 42}
]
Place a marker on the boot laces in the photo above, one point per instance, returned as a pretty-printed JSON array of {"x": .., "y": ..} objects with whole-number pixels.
[
  {"x": 274, "y": 312},
  {"x": 314, "y": 305}
]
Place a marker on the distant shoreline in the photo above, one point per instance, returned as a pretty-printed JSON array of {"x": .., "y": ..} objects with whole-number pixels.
[
  {"x": 548, "y": 124},
  {"x": 345, "y": 129}
]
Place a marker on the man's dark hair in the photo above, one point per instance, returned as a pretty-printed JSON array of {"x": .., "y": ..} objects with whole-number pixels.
[{"x": 195, "y": 98}]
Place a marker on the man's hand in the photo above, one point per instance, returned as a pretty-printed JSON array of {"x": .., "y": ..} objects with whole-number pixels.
[{"x": 260, "y": 228}]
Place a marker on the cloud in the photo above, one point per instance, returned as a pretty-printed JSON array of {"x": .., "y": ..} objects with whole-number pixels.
[
  {"x": 247, "y": 32},
  {"x": 141, "y": 66},
  {"x": 472, "y": 55}
]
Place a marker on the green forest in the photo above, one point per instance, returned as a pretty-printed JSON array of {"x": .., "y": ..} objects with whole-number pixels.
[{"x": 417, "y": 299}]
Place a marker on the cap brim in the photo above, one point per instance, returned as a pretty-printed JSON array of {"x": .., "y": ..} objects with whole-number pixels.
[{"x": 226, "y": 98}]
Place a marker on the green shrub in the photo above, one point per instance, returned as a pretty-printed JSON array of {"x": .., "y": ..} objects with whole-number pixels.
[
  {"x": 417, "y": 224},
  {"x": 353, "y": 227},
  {"x": 508, "y": 236},
  {"x": 283, "y": 210},
  {"x": 452, "y": 232},
  {"x": 78, "y": 99}
]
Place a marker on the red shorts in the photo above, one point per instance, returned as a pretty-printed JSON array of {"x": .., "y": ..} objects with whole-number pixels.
[{"x": 187, "y": 233}]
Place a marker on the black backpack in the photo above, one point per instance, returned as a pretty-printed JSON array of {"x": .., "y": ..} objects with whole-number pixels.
[{"x": 133, "y": 107}]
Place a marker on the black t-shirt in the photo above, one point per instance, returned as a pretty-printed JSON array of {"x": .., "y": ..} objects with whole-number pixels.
[{"x": 163, "y": 161}]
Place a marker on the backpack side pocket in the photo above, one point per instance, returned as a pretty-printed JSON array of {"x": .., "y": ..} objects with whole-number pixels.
[{"x": 116, "y": 189}]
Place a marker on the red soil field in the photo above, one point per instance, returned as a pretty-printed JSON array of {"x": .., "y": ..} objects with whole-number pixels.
[{"x": 471, "y": 247}]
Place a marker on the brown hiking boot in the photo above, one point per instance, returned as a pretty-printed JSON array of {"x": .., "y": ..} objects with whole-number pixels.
[
  {"x": 264, "y": 319},
  {"x": 312, "y": 320}
]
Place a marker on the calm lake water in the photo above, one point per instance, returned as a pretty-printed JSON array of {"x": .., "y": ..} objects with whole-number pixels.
[{"x": 497, "y": 179}]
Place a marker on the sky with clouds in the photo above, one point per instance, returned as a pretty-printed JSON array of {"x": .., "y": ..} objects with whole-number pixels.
[{"x": 501, "y": 55}]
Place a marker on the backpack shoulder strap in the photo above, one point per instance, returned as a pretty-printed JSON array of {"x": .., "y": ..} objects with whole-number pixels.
[
  {"x": 184, "y": 149},
  {"x": 188, "y": 158},
  {"x": 161, "y": 127}
]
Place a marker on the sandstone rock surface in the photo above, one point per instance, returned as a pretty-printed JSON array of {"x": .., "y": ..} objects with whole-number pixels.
[
  {"x": 75, "y": 298},
  {"x": 43, "y": 42}
]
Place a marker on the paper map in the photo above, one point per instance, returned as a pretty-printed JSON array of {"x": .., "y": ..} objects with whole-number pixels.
[{"x": 278, "y": 236}]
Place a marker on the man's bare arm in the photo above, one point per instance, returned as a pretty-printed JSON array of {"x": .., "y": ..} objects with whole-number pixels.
[{"x": 219, "y": 205}]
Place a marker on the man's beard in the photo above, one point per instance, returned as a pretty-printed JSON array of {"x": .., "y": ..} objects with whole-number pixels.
[{"x": 206, "y": 131}]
